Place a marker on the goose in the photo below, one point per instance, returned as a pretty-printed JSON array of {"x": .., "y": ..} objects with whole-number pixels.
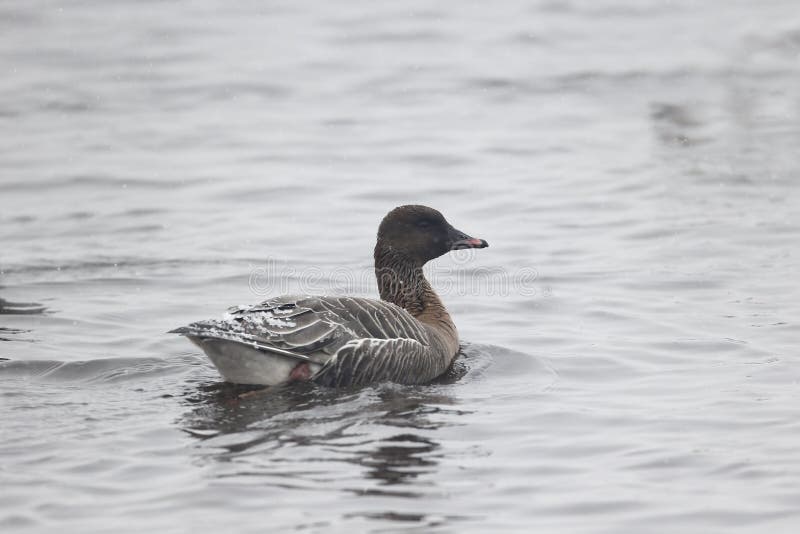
[{"x": 406, "y": 337}]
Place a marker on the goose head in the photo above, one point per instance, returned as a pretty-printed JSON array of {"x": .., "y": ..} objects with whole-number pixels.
[{"x": 421, "y": 234}]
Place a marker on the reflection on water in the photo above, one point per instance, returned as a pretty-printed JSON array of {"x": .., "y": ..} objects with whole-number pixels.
[
  {"x": 10, "y": 308},
  {"x": 20, "y": 308},
  {"x": 386, "y": 432}
]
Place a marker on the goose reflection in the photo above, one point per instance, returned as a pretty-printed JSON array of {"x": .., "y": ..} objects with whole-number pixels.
[{"x": 301, "y": 436}]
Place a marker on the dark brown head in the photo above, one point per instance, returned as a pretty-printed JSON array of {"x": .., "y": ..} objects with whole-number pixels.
[{"x": 421, "y": 234}]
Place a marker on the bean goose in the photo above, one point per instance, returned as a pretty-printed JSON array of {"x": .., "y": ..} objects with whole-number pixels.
[{"x": 406, "y": 337}]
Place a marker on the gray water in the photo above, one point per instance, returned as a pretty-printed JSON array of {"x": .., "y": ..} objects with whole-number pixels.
[{"x": 630, "y": 337}]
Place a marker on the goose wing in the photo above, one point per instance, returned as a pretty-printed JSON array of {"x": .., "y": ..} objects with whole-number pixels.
[
  {"x": 363, "y": 361},
  {"x": 309, "y": 327}
]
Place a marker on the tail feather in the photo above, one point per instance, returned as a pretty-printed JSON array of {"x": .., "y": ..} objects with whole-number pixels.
[{"x": 200, "y": 332}]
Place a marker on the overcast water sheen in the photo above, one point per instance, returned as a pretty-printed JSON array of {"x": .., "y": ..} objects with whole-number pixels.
[{"x": 631, "y": 335}]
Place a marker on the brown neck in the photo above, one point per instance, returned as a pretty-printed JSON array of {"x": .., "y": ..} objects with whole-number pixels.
[{"x": 402, "y": 282}]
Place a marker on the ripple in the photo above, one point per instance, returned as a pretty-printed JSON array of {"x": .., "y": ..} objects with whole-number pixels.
[
  {"x": 21, "y": 308},
  {"x": 94, "y": 181},
  {"x": 110, "y": 370}
]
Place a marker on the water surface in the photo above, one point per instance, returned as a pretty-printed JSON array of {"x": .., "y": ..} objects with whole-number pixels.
[{"x": 630, "y": 359}]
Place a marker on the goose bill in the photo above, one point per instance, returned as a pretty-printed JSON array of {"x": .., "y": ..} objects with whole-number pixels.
[{"x": 469, "y": 242}]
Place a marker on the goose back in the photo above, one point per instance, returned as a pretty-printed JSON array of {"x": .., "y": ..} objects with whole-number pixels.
[{"x": 309, "y": 326}]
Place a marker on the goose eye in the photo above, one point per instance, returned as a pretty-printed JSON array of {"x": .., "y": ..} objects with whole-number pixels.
[{"x": 423, "y": 224}]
